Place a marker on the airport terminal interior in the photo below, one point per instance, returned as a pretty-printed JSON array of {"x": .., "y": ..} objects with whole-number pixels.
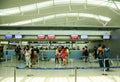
[{"x": 59, "y": 41}]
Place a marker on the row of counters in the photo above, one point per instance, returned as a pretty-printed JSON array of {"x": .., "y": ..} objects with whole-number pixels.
[{"x": 48, "y": 53}]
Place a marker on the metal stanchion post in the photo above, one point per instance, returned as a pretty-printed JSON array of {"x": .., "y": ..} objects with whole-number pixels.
[
  {"x": 117, "y": 60},
  {"x": 38, "y": 60},
  {"x": 6, "y": 58},
  {"x": 14, "y": 74},
  {"x": 11, "y": 59},
  {"x": 75, "y": 74},
  {"x": 71, "y": 65}
]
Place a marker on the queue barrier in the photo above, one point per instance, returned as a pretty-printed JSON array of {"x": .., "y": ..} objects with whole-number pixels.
[
  {"x": 74, "y": 54},
  {"x": 68, "y": 68}
]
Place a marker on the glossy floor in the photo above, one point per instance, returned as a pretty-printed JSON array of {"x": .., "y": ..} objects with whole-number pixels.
[{"x": 9, "y": 73}]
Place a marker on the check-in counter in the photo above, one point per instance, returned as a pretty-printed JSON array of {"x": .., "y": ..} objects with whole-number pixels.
[{"x": 48, "y": 53}]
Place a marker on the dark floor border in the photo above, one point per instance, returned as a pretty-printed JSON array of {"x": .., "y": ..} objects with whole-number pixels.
[{"x": 55, "y": 28}]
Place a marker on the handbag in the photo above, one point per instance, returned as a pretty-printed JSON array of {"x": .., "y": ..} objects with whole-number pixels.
[{"x": 110, "y": 62}]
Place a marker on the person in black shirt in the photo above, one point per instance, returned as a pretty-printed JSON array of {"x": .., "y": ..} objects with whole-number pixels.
[
  {"x": 86, "y": 53},
  {"x": 1, "y": 52},
  {"x": 18, "y": 52},
  {"x": 95, "y": 52}
]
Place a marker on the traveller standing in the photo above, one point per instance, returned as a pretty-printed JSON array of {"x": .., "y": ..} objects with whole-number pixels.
[
  {"x": 86, "y": 53},
  {"x": 18, "y": 52},
  {"x": 64, "y": 54},
  {"x": 1, "y": 52},
  {"x": 107, "y": 52},
  {"x": 56, "y": 56},
  {"x": 28, "y": 57}
]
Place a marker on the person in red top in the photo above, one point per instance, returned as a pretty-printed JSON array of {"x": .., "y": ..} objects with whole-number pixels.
[{"x": 64, "y": 54}]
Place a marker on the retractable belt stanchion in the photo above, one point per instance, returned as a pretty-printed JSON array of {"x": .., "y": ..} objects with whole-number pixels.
[
  {"x": 14, "y": 74},
  {"x": 71, "y": 65},
  {"x": 6, "y": 58},
  {"x": 75, "y": 74},
  {"x": 38, "y": 60},
  {"x": 11, "y": 59},
  {"x": 118, "y": 60}
]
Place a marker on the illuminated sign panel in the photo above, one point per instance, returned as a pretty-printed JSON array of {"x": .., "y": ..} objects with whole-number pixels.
[
  {"x": 51, "y": 36},
  {"x": 41, "y": 36},
  {"x": 106, "y": 36},
  {"x": 18, "y": 36},
  {"x": 84, "y": 36},
  {"x": 74, "y": 36},
  {"x": 8, "y": 36}
]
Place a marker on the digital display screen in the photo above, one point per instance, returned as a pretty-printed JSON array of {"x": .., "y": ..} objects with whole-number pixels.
[
  {"x": 8, "y": 36},
  {"x": 18, "y": 36},
  {"x": 51, "y": 36},
  {"x": 84, "y": 36},
  {"x": 106, "y": 36},
  {"x": 4, "y": 42},
  {"x": 74, "y": 36},
  {"x": 41, "y": 36}
]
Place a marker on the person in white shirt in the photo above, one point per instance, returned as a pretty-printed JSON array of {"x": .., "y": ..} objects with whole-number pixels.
[{"x": 28, "y": 57}]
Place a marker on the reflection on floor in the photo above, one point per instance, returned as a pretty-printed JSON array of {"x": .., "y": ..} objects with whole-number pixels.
[{"x": 8, "y": 72}]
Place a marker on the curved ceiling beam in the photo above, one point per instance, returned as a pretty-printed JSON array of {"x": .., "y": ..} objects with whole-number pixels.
[
  {"x": 30, "y": 7},
  {"x": 98, "y": 17}
]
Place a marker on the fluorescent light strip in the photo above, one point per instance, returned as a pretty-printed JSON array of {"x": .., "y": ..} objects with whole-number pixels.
[
  {"x": 10, "y": 11},
  {"x": 28, "y": 7},
  {"x": 17, "y": 10},
  {"x": 21, "y": 23},
  {"x": 102, "y": 18}
]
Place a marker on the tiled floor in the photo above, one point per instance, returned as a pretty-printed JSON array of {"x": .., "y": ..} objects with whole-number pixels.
[{"x": 8, "y": 73}]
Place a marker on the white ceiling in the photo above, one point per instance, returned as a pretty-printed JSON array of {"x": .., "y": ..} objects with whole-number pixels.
[{"x": 104, "y": 13}]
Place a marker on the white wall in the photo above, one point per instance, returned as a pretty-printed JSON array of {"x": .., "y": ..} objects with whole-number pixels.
[{"x": 56, "y": 32}]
